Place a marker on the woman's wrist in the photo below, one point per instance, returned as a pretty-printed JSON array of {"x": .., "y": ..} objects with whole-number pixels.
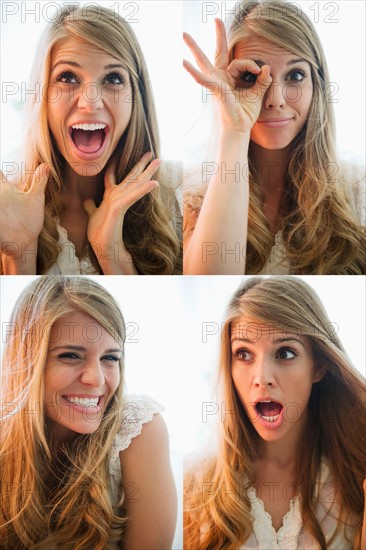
[
  {"x": 26, "y": 264},
  {"x": 119, "y": 263}
]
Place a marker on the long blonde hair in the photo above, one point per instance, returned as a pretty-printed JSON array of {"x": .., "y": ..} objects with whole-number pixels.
[
  {"x": 320, "y": 230},
  {"x": 222, "y": 520},
  {"x": 150, "y": 229},
  {"x": 55, "y": 498}
]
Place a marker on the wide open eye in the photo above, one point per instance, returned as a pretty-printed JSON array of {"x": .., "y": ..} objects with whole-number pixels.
[
  {"x": 67, "y": 77},
  {"x": 247, "y": 79},
  {"x": 115, "y": 79},
  {"x": 296, "y": 76},
  {"x": 286, "y": 354},
  {"x": 242, "y": 354}
]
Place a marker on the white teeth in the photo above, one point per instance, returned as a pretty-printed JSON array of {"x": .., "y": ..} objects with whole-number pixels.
[
  {"x": 272, "y": 418},
  {"x": 85, "y": 401},
  {"x": 91, "y": 127}
]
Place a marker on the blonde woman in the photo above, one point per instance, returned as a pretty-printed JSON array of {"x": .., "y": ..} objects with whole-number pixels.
[
  {"x": 278, "y": 201},
  {"x": 93, "y": 199},
  {"x": 81, "y": 465},
  {"x": 290, "y": 462}
]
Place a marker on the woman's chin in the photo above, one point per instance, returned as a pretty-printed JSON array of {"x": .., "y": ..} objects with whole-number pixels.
[
  {"x": 85, "y": 168},
  {"x": 272, "y": 144}
]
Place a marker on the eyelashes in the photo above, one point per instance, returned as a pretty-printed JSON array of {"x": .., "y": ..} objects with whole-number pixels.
[
  {"x": 284, "y": 354},
  {"x": 111, "y": 79},
  {"x": 74, "y": 357},
  {"x": 250, "y": 79}
]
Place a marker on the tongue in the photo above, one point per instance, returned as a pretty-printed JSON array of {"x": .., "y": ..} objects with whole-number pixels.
[
  {"x": 269, "y": 409},
  {"x": 88, "y": 141}
]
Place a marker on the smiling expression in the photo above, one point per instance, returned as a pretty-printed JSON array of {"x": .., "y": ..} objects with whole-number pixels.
[
  {"x": 286, "y": 104},
  {"x": 87, "y": 86},
  {"x": 81, "y": 375},
  {"x": 272, "y": 365}
]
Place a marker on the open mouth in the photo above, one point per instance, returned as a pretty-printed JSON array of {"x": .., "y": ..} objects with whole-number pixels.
[
  {"x": 269, "y": 410},
  {"x": 89, "y": 138},
  {"x": 82, "y": 401}
]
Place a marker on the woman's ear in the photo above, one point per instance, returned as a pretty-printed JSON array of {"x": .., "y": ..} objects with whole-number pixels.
[{"x": 320, "y": 370}]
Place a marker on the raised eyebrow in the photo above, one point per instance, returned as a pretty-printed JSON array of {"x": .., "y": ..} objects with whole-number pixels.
[
  {"x": 74, "y": 64},
  {"x": 289, "y": 339},
  {"x": 260, "y": 62}
]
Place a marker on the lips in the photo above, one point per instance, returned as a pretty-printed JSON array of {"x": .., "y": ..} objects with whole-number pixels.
[
  {"x": 84, "y": 403},
  {"x": 275, "y": 122},
  {"x": 88, "y": 139},
  {"x": 268, "y": 408}
]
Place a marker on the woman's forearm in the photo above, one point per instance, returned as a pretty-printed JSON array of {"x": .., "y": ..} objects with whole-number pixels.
[{"x": 218, "y": 243}]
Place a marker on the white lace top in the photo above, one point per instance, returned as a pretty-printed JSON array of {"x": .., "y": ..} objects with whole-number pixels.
[
  {"x": 138, "y": 410},
  {"x": 277, "y": 263},
  {"x": 69, "y": 264},
  {"x": 291, "y": 535}
]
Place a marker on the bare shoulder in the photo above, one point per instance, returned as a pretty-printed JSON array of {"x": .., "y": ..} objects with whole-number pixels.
[
  {"x": 150, "y": 494},
  {"x": 153, "y": 439}
]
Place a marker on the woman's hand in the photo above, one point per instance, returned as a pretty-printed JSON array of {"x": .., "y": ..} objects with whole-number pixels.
[
  {"x": 21, "y": 221},
  {"x": 239, "y": 107},
  {"x": 106, "y": 222}
]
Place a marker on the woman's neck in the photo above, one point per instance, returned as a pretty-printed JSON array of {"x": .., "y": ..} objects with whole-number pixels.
[
  {"x": 272, "y": 168},
  {"x": 79, "y": 188},
  {"x": 283, "y": 452},
  {"x": 271, "y": 165}
]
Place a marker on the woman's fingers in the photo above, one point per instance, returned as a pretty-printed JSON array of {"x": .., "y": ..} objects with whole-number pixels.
[
  {"x": 239, "y": 66},
  {"x": 202, "y": 60},
  {"x": 264, "y": 80},
  {"x": 197, "y": 75},
  {"x": 40, "y": 179},
  {"x": 140, "y": 172},
  {"x": 137, "y": 193},
  {"x": 110, "y": 175},
  {"x": 222, "y": 52},
  {"x": 89, "y": 207}
]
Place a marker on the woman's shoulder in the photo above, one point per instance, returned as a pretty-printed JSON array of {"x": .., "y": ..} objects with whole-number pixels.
[
  {"x": 354, "y": 179},
  {"x": 137, "y": 411}
]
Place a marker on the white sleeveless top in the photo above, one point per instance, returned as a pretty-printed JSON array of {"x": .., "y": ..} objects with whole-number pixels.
[
  {"x": 292, "y": 535},
  {"x": 138, "y": 410}
]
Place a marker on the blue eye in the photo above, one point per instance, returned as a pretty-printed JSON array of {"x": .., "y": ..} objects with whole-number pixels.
[
  {"x": 248, "y": 78},
  {"x": 298, "y": 75},
  {"x": 116, "y": 79},
  {"x": 67, "y": 77}
]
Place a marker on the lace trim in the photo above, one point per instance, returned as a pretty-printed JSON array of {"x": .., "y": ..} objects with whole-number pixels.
[
  {"x": 138, "y": 410},
  {"x": 277, "y": 262},
  {"x": 266, "y": 535},
  {"x": 68, "y": 262}
]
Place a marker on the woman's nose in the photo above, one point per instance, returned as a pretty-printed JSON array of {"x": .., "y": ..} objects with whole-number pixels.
[
  {"x": 264, "y": 373},
  {"x": 92, "y": 375},
  {"x": 275, "y": 97},
  {"x": 90, "y": 98}
]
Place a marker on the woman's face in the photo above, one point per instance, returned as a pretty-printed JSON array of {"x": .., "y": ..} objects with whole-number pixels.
[
  {"x": 89, "y": 104},
  {"x": 273, "y": 373},
  {"x": 82, "y": 373},
  {"x": 286, "y": 104}
]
